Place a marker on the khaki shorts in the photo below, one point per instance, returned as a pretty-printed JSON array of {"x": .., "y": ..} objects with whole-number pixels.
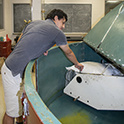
[{"x": 13, "y": 89}]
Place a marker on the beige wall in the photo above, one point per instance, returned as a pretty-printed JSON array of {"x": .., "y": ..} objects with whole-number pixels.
[
  {"x": 36, "y": 10},
  {"x": 7, "y": 19},
  {"x": 98, "y": 10}
]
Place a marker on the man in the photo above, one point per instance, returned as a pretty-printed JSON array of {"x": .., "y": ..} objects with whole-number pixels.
[{"x": 35, "y": 40}]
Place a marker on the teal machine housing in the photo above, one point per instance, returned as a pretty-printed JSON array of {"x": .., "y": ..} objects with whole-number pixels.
[{"x": 103, "y": 43}]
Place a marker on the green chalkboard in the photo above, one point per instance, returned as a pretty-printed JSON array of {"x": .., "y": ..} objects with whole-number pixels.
[
  {"x": 21, "y": 12},
  {"x": 79, "y": 16}
]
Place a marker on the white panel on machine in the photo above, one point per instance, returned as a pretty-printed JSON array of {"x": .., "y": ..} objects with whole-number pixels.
[{"x": 98, "y": 85}]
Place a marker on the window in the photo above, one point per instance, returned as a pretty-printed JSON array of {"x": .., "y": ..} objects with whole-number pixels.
[{"x": 1, "y": 15}]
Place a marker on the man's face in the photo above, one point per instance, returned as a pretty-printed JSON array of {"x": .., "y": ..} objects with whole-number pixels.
[{"x": 60, "y": 23}]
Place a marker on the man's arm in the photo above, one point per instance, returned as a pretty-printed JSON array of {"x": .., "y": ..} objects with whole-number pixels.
[{"x": 71, "y": 56}]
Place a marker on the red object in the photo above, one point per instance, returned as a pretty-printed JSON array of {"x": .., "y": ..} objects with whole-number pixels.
[
  {"x": 7, "y": 38},
  {"x": 5, "y": 48}
]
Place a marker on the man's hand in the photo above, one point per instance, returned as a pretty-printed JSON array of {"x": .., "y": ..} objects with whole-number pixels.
[
  {"x": 79, "y": 66},
  {"x": 46, "y": 53}
]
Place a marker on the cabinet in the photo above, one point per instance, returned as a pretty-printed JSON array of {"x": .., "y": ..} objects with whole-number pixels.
[{"x": 5, "y": 48}]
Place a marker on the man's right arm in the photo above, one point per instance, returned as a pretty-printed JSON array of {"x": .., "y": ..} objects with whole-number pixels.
[{"x": 71, "y": 56}]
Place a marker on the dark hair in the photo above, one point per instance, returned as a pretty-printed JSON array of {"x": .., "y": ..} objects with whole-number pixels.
[{"x": 56, "y": 12}]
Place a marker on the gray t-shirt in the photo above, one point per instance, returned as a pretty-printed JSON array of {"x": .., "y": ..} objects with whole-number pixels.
[{"x": 38, "y": 37}]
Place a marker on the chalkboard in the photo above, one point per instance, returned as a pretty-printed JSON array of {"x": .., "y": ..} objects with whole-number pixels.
[
  {"x": 1, "y": 15},
  {"x": 21, "y": 12},
  {"x": 79, "y": 16}
]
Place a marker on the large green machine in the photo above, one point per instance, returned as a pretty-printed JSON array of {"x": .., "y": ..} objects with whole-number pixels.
[{"x": 49, "y": 104}]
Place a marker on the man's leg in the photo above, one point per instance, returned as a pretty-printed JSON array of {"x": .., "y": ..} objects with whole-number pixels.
[
  {"x": 7, "y": 119},
  {"x": 19, "y": 120},
  {"x": 13, "y": 89}
]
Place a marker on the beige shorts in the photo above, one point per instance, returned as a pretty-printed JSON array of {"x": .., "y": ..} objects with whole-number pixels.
[{"x": 13, "y": 89}]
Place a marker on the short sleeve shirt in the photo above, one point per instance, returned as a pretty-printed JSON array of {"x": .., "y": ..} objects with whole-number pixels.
[{"x": 38, "y": 37}]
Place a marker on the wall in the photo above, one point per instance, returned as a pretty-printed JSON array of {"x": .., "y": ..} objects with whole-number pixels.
[
  {"x": 98, "y": 8},
  {"x": 7, "y": 19},
  {"x": 36, "y": 9}
]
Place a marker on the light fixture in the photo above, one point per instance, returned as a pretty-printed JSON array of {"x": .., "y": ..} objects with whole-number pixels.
[{"x": 112, "y": 1}]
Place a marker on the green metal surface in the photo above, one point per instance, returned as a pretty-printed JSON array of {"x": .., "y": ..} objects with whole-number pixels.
[
  {"x": 40, "y": 108},
  {"x": 69, "y": 111},
  {"x": 107, "y": 37},
  {"x": 51, "y": 69},
  {"x": 51, "y": 80}
]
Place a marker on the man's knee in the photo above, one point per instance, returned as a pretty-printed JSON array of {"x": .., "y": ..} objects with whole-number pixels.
[{"x": 7, "y": 119}]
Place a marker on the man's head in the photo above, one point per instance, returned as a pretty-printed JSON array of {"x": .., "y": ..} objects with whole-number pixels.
[{"x": 59, "y": 17}]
